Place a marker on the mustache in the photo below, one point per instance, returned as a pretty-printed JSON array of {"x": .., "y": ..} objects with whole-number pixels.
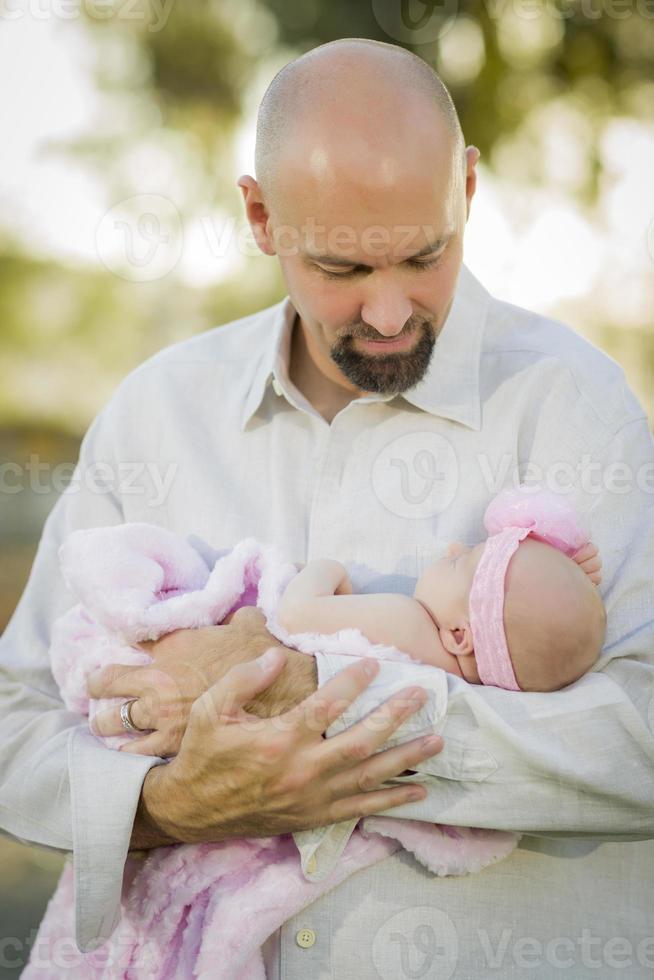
[{"x": 363, "y": 331}]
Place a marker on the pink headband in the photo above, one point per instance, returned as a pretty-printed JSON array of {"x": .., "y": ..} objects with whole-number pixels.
[{"x": 509, "y": 519}]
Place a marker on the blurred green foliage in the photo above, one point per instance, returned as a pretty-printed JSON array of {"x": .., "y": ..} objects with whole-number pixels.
[
  {"x": 69, "y": 335},
  {"x": 584, "y": 50},
  {"x": 532, "y": 52}
]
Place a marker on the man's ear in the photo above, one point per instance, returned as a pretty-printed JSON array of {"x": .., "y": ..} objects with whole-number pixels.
[
  {"x": 257, "y": 214},
  {"x": 471, "y": 157},
  {"x": 458, "y": 642}
]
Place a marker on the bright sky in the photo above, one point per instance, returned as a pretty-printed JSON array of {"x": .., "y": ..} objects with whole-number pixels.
[{"x": 532, "y": 247}]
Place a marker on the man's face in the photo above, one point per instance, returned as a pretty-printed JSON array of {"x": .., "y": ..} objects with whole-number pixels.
[{"x": 371, "y": 266}]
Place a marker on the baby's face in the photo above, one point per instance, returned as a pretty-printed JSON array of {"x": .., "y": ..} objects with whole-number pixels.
[{"x": 444, "y": 586}]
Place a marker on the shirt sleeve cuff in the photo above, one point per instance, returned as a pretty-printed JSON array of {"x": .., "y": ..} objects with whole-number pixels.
[
  {"x": 391, "y": 678},
  {"x": 321, "y": 848},
  {"x": 105, "y": 787}
]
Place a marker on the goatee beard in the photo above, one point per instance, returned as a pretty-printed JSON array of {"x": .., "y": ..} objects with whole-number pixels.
[{"x": 385, "y": 374}]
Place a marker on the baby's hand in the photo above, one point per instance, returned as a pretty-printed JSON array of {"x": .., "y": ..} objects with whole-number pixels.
[{"x": 588, "y": 558}]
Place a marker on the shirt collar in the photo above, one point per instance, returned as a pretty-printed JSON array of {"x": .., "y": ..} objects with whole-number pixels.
[
  {"x": 450, "y": 388},
  {"x": 271, "y": 361}
]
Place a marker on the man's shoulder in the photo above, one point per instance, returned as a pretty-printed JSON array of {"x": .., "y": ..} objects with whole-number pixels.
[
  {"x": 233, "y": 347},
  {"x": 216, "y": 365},
  {"x": 235, "y": 340},
  {"x": 521, "y": 339}
]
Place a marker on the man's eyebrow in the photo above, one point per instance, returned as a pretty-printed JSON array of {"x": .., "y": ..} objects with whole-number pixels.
[{"x": 338, "y": 260}]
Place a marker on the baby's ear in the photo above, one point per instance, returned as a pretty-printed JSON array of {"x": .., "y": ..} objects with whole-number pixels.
[{"x": 458, "y": 642}]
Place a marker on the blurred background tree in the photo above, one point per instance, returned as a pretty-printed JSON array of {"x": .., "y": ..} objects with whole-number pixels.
[
  {"x": 537, "y": 86},
  {"x": 141, "y": 116}
]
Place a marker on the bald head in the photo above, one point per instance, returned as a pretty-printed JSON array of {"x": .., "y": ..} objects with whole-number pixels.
[
  {"x": 554, "y": 618},
  {"x": 373, "y": 97}
]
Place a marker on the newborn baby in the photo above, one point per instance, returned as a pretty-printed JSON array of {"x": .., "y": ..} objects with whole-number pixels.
[{"x": 518, "y": 611}]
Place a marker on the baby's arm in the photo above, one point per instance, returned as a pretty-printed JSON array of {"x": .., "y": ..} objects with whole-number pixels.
[
  {"x": 320, "y": 577},
  {"x": 310, "y": 605}
]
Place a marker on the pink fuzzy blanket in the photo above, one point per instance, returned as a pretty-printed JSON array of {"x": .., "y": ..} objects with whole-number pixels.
[{"x": 203, "y": 910}]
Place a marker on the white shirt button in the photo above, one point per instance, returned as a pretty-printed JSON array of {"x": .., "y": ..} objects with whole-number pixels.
[
  {"x": 277, "y": 388},
  {"x": 305, "y": 938},
  {"x": 312, "y": 864}
]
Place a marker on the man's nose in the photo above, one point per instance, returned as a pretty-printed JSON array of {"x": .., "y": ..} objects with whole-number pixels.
[{"x": 387, "y": 309}]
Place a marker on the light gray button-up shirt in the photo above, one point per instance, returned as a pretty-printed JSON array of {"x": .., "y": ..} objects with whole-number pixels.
[{"x": 210, "y": 439}]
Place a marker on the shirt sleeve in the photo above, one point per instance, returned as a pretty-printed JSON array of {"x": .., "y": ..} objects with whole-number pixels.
[
  {"x": 60, "y": 787},
  {"x": 576, "y": 762}
]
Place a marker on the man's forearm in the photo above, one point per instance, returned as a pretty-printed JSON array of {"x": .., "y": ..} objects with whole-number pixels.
[
  {"x": 146, "y": 832},
  {"x": 156, "y": 823}
]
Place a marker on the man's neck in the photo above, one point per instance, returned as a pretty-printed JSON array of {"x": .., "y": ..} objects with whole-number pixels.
[{"x": 325, "y": 394}]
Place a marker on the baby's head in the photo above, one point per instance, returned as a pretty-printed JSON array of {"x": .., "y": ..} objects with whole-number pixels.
[
  {"x": 554, "y": 618},
  {"x": 552, "y": 615}
]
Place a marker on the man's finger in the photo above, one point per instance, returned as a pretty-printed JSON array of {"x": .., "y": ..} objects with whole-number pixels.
[
  {"x": 150, "y": 745},
  {"x": 382, "y": 766},
  {"x": 368, "y": 735},
  {"x": 317, "y": 712},
  {"x": 115, "y": 681},
  {"x": 367, "y": 804},
  {"x": 109, "y": 722},
  {"x": 241, "y": 684}
]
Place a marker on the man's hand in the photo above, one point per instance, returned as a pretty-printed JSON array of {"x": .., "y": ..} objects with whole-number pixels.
[
  {"x": 186, "y": 663},
  {"x": 238, "y": 775}
]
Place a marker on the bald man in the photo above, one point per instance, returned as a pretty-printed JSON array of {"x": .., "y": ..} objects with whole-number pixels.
[{"x": 369, "y": 416}]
